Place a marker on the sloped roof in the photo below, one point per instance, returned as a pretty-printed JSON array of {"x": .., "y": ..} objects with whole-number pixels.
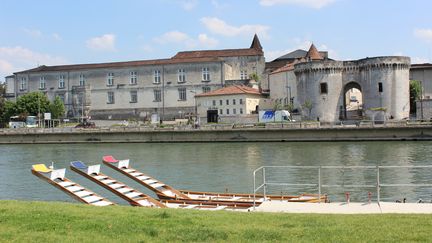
[
  {"x": 293, "y": 55},
  {"x": 313, "y": 53},
  {"x": 231, "y": 90},
  {"x": 44, "y": 68},
  {"x": 256, "y": 44},
  {"x": 254, "y": 50},
  {"x": 287, "y": 67}
]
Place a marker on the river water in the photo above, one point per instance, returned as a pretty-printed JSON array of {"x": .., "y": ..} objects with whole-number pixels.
[{"x": 226, "y": 167}]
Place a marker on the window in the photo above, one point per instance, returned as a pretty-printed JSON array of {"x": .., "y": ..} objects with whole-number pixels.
[
  {"x": 133, "y": 96},
  {"x": 81, "y": 80},
  {"x": 234, "y": 101},
  {"x": 133, "y": 77},
  {"x": 241, "y": 101},
  {"x": 241, "y": 110},
  {"x": 220, "y": 111},
  {"x": 214, "y": 102},
  {"x": 234, "y": 111},
  {"x": 61, "y": 82},
  {"x": 220, "y": 102},
  {"x": 181, "y": 76},
  {"x": 206, "y": 89},
  {"x": 110, "y": 96},
  {"x": 243, "y": 74},
  {"x": 380, "y": 87},
  {"x": 23, "y": 83},
  {"x": 156, "y": 77},
  {"x": 227, "y": 102},
  {"x": 42, "y": 83},
  {"x": 182, "y": 93},
  {"x": 110, "y": 79},
  {"x": 323, "y": 88},
  {"x": 205, "y": 74},
  {"x": 157, "y": 95},
  {"x": 227, "y": 111}
]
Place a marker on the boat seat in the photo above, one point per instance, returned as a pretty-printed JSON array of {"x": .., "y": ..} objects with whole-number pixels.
[
  {"x": 100, "y": 177},
  {"x": 66, "y": 183},
  {"x": 74, "y": 188},
  {"x": 143, "y": 177},
  {"x": 136, "y": 174},
  {"x": 83, "y": 193},
  {"x": 125, "y": 189},
  {"x": 109, "y": 159},
  {"x": 169, "y": 193},
  {"x": 150, "y": 181},
  {"x": 41, "y": 168},
  {"x": 107, "y": 181},
  {"x": 145, "y": 203},
  {"x": 79, "y": 165},
  {"x": 156, "y": 185},
  {"x": 101, "y": 203},
  {"x": 128, "y": 170},
  {"x": 115, "y": 185},
  {"x": 91, "y": 199},
  {"x": 132, "y": 194}
]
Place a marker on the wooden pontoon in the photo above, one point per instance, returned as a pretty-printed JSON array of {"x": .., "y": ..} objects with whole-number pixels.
[
  {"x": 137, "y": 198},
  {"x": 57, "y": 178},
  {"x": 166, "y": 192}
]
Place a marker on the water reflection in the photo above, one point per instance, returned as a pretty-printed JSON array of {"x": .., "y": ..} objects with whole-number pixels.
[{"x": 225, "y": 166}]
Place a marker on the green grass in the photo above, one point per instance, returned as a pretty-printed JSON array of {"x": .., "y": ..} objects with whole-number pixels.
[{"x": 64, "y": 222}]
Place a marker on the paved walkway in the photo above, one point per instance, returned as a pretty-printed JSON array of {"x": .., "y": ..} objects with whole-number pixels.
[{"x": 344, "y": 208}]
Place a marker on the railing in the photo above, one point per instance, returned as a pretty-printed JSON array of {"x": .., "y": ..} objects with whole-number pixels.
[{"x": 319, "y": 185}]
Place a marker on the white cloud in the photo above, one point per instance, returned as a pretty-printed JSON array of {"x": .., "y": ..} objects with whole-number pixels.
[
  {"x": 423, "y": 34},
  {"x": 204, "y": 40},
  {"x": 56, "y": 37},
  {"x": 14, "y": 59},
  {"x": 33, "y": 32},
  {"x": 188, "y": 4},
  {"x": 305, "y": 3},
  {"x": 179, "y": 37},
  {"x": 416, "y": 60},
  {"x": 172, "y": 37},
  {"x": 302, "y": 44},
  {"x": 102, "y": 43},
  {"x": 218, "y": 26}
]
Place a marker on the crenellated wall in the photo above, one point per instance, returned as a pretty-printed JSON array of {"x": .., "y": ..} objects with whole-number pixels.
[{"x": 365, "y": 74}]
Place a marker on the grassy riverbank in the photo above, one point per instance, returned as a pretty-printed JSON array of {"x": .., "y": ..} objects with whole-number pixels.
[{"x": 61, "y": 222}]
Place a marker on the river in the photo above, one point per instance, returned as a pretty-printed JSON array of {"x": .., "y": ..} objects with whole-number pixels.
[{"x": 225, "y": 167}]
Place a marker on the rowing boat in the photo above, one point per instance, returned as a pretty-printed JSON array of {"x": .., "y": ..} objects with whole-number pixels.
[
  {"x": 57, "y": 178},
  {"x": 164, "y": 191}
]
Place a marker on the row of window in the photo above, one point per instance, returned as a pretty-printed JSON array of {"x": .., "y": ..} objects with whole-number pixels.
[
  {"x": 181, "y": 78},
  {"x": 324, "y": 88},
  {"x": 227, "y": 102},
  {"x": 157, "y": 95},
  {"x": 227, "y": 111}
]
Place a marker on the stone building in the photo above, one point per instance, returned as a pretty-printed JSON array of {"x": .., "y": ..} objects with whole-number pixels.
[
  {"x": 423, "y": 73},
  {"x": 323, "y": 84},
  {"x": 231, "y": 104},
  {"x": 137, "y": 89}
]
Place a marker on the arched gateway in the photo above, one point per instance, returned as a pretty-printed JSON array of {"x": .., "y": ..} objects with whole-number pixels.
[{"x": 383, "y": 83}]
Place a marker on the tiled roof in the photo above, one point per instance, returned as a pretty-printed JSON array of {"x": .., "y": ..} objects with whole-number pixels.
[
  {"x": 119, "y": 64},
  {"x": 288, "y": 67},
  {"x": 313, "y": 53},
  {"x": 219, "y": 53},
  {"x": 231, "y": 90}
]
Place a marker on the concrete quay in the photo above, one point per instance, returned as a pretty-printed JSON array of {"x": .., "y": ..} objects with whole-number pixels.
[
  {"x": 345, "y": 208},
  {"x": 215, "y": 134}
]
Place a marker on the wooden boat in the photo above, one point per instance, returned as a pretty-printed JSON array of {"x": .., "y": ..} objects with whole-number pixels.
[
  {"x": 136, "y": 198},
  {"x": 164, "y": 191},
  {"x": 132, "y": 196},
  {"x": 57, "y": 178}
]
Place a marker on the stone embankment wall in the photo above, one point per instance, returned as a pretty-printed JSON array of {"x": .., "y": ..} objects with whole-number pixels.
[{"x": 217, "y": 134}]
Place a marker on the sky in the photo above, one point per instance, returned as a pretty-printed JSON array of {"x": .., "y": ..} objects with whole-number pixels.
[{"x": 56, "y": 32}]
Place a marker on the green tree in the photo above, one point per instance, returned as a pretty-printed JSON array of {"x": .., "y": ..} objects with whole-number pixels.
[
  {"x": 415, "y": 94},
  {"x": 3, "y": 120},
  {"x": 308, "y": 105},
  {"x": 32, "y": 104},
  {"x": 57, "y": 108}
]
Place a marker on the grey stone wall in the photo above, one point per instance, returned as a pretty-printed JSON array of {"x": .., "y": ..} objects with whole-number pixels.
[{"x": 391, "y": 72}]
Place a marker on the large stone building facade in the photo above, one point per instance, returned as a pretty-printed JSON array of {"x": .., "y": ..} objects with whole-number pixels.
[
  {"x": 383, "y": 82},
  {"x": 137, "y": 89}
]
